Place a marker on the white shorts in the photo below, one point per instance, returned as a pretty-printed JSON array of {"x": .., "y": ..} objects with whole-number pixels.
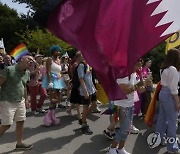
[{"x": 10, "y": 112}]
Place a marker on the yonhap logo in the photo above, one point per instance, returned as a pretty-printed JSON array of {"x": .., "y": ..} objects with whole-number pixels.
[{"x": 154, "y": 140}]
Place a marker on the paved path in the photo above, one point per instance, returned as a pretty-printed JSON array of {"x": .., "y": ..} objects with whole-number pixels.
[{"x": 67, "y": 138}]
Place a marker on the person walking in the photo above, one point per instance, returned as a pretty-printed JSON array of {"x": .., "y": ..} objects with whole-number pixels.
[
  {"x": 35, "y": 86},
  {"x": 169, "y": 100},
  {"x": 75, "y": 98},
  {"x": 87, "y": 93},
  {"x": 13, "y": 98},
  {"x": 54, "y": 82}
]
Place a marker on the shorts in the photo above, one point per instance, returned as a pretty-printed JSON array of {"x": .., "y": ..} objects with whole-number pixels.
[
  {"x": 10, "y": 112},
  {"x": 91, "y": 98},
  {"x": 75, "y": 97},
  {"x": 125, "y": 119}
]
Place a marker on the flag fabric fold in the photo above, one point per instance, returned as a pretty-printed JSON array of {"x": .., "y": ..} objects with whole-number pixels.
[{"x": 112, "y": 34}]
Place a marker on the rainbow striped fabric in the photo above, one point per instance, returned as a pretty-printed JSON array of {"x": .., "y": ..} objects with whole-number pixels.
[{"x": 20, "y": 51}]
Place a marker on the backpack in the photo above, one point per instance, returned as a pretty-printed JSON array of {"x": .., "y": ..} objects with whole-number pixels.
[{"x": 75, "y": 78}]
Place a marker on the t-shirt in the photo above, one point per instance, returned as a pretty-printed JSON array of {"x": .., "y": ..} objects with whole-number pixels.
[
  {"x": 170, "y": 79},
  {"x": 132, "y": 80},
  {"x": 87, "y": 79},
  {"x": 12, "y": 90}
]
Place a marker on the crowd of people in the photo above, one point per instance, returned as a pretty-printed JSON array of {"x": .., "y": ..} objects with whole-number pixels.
[{"x": 51, "y": 77}]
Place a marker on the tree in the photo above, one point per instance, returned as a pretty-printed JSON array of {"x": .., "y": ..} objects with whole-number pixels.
[
  {"x": 32, "y": 4},
  {"x": 10, "y": 23},
  {"x": 40, "y": 40},
  {"x": 157, "y": 56}
]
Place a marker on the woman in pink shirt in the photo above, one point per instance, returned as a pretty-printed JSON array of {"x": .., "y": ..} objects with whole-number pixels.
[
  {"x": 146, "y": 96},
  {"x": 35, "y": 87}
]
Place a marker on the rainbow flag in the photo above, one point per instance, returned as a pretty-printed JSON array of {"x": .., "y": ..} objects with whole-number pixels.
[
  {"x": 20, "y": 51},
  {"x": 149, "y": 118}
]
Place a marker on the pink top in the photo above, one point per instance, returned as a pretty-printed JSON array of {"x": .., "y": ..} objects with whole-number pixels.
[
  {"x": 145, "y": 71},
  {"x": 36, "y": 74}
]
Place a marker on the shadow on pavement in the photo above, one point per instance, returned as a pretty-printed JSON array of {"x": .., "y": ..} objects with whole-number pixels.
[
  {"x": 9, "y": 137},
  {"x": 141, "y": 144},
  {"x": 98, "y": 144}
]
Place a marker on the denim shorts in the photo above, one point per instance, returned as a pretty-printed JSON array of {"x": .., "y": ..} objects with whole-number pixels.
[{"x": 125, "y": 119}]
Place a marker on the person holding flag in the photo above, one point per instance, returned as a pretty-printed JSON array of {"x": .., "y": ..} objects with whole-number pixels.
[
  {"x": 14, "y": 99},
  {"x": 129, "y": 86}
]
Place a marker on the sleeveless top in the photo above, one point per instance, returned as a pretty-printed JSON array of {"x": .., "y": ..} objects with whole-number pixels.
[{"x": 55, "y": 68}]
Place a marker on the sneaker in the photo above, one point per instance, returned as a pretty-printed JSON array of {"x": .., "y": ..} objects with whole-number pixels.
[
  {"x": 108, "y": 134},
  {"x": 40, "y": 110},
  {"x": 86, "y": 130},
  {"x": 134, "y": 130},
  {"x": 61, "y": 106},
  {"x": 112, "y": 151},
  {"x": 24, "y": 146},
  {"x": 174, "y": 152},
  {"x": 35, "y": 112},
  {"x": 96, "y": 110},
  {"x": 67, "y": 103},
  {"x": 122, "y": 151}
]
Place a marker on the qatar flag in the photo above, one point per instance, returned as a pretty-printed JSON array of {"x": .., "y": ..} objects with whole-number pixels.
[{"x": 113, "y": 34}]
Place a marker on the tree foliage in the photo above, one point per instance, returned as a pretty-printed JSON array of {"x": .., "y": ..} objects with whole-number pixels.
[
  {"x": 157, "y": 56},
  {"x": 9, "y": 24},
  {"x": 40, "y": 40},
  {"x": 32, "y": 4}
]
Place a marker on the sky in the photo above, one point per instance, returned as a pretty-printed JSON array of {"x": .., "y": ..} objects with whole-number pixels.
[{"x": 21, "y": 8}]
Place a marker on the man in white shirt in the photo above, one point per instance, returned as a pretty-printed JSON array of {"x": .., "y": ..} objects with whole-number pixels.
[{"x": 129, "y": 86}]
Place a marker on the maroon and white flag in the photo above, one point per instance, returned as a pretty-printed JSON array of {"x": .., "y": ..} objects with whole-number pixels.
[{"x": 114, "y": 34}]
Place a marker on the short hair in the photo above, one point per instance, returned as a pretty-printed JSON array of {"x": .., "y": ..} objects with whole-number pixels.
[
  {"x": 172, "y": 59},
  {"x": 55, "y": 48},
  {"x": 78, "y": 54}
]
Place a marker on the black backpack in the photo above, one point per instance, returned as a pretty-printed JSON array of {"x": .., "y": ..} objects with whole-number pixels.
[{"x": 75, "y": 78}]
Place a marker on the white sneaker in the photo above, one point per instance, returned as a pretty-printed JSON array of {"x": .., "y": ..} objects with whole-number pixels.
[
  {"x": 122, "y": 151},
  {"x": 112, "y": 151},
  {"x": 35, "y": 112},
  {"x": 134, "y": 130}
]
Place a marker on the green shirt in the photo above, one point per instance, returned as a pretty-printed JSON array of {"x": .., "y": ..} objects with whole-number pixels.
[{"x": 12, "y": 90}]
